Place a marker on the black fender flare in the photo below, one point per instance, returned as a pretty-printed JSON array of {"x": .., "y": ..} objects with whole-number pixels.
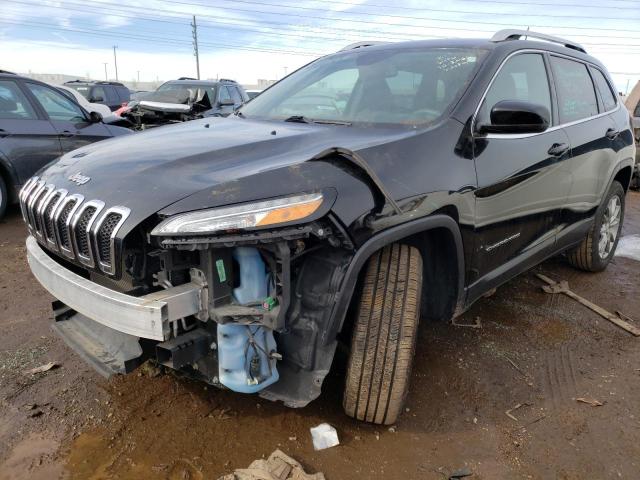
[
  {"x": 627, "y": 162},
  {"x": 380, "y": 240}
]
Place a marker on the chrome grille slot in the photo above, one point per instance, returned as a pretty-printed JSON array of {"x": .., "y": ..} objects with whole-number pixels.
[
  {"x": 48, "y": 217},
  {"x": 35, "y": 194},
  {"x": 67, "y": 224},
  {"x": 24, "y": 195},
  {"x": 105, "y": 233},
  {"x": 81, "y": 229}
]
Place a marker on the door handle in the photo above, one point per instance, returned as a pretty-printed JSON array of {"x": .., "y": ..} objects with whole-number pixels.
[
  {"x": 67, "y": 133},
  {"x": 558, "y": 149},
  {"x": 612, "y": 134}
]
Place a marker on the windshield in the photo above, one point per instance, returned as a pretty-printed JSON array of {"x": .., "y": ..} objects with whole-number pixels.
[
  {"x": 380, "y": 86},
  {"x": 81, "y": 89},
  {"x": 184, "y": 93}
]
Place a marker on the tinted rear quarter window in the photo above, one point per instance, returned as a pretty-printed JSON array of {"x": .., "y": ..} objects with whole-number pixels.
[
  {"x": 608, "y": 97},
  {"x": 576, "y": 93},
  {"x": 124, "y": 93}
]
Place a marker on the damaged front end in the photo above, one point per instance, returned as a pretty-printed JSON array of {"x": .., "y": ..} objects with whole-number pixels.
[
  {"x": 238, "y": 297},
  {"x": 169, "y": 107}
]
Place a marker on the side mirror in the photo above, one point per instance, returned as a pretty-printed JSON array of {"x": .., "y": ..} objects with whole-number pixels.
[
  {"x": 95, "y": 117},
  {"x": 514, "y": 116},
  {"x": 226, "y": 102},
  {"x": 96, "y": 99}
]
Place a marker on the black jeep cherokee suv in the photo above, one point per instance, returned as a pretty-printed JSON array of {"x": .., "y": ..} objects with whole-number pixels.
[{"x": 370, "y": 188}]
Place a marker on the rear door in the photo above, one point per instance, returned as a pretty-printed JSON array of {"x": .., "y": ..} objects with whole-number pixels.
[
  {"x": 592, "y": 133},
  {"x": 68, "y": 118},
  {"x": 27, "y": 140},
  {"x": 523, "y": 180}
]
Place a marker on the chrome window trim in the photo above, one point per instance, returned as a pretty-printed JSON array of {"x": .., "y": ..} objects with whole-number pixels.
[
  {"x": 109, "y": 268},
  {"x": 89, "y": 260},
  {"x": 53, "y": 242},
  {"x": 550, "y": 129},
  {"x": 67, "y": 226}
]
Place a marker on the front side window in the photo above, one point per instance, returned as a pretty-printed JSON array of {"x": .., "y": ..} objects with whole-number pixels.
[
  {"x": 57, "y": 106},
  {"x": 523, "y": 78},
  {"x": 608, "y": 97},
  {"x": 576, "y": 93},
  {"x": 13, "y": 104},
  {"x": 389, "y": 85}
]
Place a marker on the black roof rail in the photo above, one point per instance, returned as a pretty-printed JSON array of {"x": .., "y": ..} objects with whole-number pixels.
[
  {"x": 353, "y": 46},
  {"x": 227, "y": 80},
  {"x": 187, "y": 78},
  {"x": 8, "y": 72},
  {"x": 512, "y": 34}
]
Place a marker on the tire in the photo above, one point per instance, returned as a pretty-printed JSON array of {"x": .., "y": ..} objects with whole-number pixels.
[
  {"x": 384, "y": 336},
  {"x": 4, "y": 197},
  {"x": 588, "y": 256}
]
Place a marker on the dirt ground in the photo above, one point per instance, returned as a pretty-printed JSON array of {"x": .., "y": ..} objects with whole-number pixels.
[{"x": 534, "y": 349}]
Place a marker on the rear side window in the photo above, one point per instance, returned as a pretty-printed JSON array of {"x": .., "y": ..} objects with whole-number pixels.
[
  {"x": 111, "y": 95},
  {"x": 13, "y": 104},
  {"x": 524, "y": 78},
  {"x": 608, "y": 97},
  {"x": 576, "y": 94},
  {"x": 124, "y": 93},
  {"x": 224, "y": 94},
  {"x": 235, "y": 95},
  {"x": 98, "y": 95}
]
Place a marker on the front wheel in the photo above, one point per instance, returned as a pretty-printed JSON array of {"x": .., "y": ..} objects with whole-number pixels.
[
  {"x": 597, "y": 249},
  {"x": 384, "y": 336}
]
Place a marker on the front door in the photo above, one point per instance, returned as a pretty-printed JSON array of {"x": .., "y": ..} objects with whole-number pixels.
[
  {"x": 523, "y": 179},
  {"x": 70, "y": 121},
  {"x": 27, "y": 140}
]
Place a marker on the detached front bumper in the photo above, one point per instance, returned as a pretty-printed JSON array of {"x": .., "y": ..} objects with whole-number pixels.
[{"x": 148, "y": 316}]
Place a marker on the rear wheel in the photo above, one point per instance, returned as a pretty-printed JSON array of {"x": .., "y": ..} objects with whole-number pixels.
[
  {"x": 597, "y": 249},
  {"x": 4, "y": 197},
  {"x": 384, "y": 336}
]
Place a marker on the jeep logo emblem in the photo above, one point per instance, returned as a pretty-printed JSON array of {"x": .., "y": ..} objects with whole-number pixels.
[{"x": 79, "y": 179}]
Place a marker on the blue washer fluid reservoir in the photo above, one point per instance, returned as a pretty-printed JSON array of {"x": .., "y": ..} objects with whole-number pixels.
[
  {"x": 254, "y": 283},
  {"x": 244, "y": 351},
  {"x": 244, "y": 363}
]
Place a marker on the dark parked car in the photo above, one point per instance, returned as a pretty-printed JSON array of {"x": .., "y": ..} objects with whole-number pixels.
[
  {"x": 186, "y": 99},
  {"x": 111, "y": 94},
  {"x": 38, "y": 124},
  {"x": 242, "y": 250}
]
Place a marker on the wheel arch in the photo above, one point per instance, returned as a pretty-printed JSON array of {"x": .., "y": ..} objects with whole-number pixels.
[
  {"x": 623, "y": 175},
  {"x": 8, "y": 174},
  {"x": 439, "y": 230}
]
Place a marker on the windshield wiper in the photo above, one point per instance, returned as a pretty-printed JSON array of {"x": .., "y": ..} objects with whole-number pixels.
[
  {"x": 303, "y": 119},
  {"x": 298, "y": 119}
]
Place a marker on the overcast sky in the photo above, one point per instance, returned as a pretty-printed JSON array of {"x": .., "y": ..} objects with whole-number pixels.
[{"x": 251, "y": 39}]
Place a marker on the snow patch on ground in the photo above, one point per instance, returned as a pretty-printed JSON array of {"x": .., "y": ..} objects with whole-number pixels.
[{"x": 629, "y": 247}]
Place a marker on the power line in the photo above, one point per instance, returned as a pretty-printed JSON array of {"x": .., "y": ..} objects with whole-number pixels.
[
  {"x": 223, "y": 46},
  {"x": 500, "y": 2},
  {"x": 172, "y": 14},
  {"x": 403, "y": 17}
]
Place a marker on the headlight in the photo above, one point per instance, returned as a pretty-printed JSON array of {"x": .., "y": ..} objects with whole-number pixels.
[{"x": 258, "y": 214}]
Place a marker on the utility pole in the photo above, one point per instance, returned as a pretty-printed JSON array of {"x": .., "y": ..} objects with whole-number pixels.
[
  {"x": 138, "y": 76},
  {"x": 106, "y": 78},
  {"x": 194, "y": 31},
  {"x": 115, "y": 60}
]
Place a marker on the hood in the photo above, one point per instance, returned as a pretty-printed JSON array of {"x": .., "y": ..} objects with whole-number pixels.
[{"x": 151, "y": 170}]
